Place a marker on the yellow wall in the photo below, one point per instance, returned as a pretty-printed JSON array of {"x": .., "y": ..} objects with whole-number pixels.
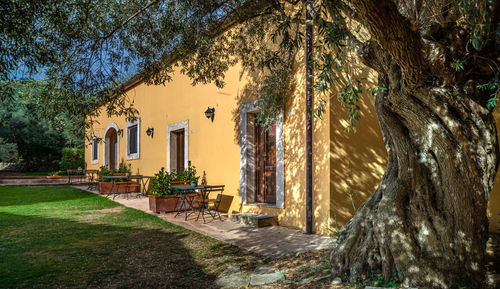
[
  {"x": 342, "y": 160},
  {"x": 160, "y": 106}
]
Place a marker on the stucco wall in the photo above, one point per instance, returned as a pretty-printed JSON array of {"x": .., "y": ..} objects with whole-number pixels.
[
  {"x": 211, "y": 144},
  {"x": 343, "y": 161}
]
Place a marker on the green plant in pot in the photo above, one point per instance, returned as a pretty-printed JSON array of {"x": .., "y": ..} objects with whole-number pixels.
[
  {"x": 160, "y": 183},
  {"x": 190, "y": 175},
  {"x": 104, "y": 171}
]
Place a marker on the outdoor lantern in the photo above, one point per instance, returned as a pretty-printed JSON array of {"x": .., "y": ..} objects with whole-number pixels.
[
  {"x": 150, "y": 131},
  {"x": 210, "y": 112},
  {"x": 96, "y": 138},
  {"x": 119, "y": 132}
]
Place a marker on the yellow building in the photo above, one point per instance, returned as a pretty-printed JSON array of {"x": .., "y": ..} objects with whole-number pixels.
[{"x": 263, "y": 172}]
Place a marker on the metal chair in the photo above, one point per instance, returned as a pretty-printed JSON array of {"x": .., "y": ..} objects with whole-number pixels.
[{"x": 205, "y": 201}]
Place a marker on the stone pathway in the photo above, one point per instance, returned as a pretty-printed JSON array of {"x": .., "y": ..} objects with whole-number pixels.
[
  {"x": 274, "y": 241},
  {"x": 232, "y": 277}
]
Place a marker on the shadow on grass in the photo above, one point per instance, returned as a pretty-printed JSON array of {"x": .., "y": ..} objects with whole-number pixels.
[
  {"x": 41, "y": 252},
  {"x": 20, "y": 196}
]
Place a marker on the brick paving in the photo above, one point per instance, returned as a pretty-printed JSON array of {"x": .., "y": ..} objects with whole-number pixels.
[{"x": 274, "y": 241}]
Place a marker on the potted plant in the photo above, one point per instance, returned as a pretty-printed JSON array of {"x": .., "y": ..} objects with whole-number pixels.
[
  {"x": 121, "y": 185},
  {"x": 190, "y": 175},
  {"x": 161, "y": 197}
]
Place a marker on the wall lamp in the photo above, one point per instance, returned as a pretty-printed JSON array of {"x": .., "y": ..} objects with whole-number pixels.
[
  {"x": 119, "y": 132},
  {"x": 209, "y": 113},
  {"x": 150, "y": 131}
]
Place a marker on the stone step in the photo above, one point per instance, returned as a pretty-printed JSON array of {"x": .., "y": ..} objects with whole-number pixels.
[{"x": 254, "y": 220}]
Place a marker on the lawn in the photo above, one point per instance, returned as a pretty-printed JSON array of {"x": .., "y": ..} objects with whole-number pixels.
[
  {"x": 36, "y": 174},
  {"x": 59, "y": 237}
]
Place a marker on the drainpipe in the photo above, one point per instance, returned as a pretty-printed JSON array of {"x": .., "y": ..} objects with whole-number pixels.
[{"x": 309, "y": 94}]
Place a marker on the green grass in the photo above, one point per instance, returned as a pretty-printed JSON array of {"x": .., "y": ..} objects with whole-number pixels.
[
  {"x": 36, "y": 174},
  {"x": 60, "y": 237}
]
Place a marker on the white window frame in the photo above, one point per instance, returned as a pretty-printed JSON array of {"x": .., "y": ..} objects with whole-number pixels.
[
  {"x": 247, "y": 162},
  {"x": 174, "y": 127},
  {"x": 92, "y": 148},
  {"x": 136, "y": 155}
]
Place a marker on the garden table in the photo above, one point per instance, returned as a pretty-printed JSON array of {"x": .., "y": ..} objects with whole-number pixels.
[
  {"x": 77, "y": 174},
  {"x": 183, "y": 191},
  {"x": 113, "y": 179}
]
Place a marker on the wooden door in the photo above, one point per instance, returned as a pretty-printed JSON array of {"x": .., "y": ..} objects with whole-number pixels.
[
  {"x": 112, "y": 138},
  {"x": 265, "y": 164},
  {"x": 179, "y": 154}
]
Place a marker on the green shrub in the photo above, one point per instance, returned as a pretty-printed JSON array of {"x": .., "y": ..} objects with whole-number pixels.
[
  {"x": 188, "y": 174},
  {"x": 72, "y": 158},
  {"x": 160, "y": 183},
  {"x": 122, "y": 168}
]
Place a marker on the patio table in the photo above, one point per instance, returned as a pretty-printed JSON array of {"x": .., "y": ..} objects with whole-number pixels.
[
  {"x": 77, "y": 174},
  {"x": 183, "y": 191}
]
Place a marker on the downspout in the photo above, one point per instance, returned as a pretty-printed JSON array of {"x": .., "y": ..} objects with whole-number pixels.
[{"x": 309, "y": 95}]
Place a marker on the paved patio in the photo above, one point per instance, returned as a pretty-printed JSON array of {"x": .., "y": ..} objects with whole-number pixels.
[{"x": 274, "y": 241}]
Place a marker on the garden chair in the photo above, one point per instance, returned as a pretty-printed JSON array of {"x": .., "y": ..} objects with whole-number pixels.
[{"x": 205, "y": 202}]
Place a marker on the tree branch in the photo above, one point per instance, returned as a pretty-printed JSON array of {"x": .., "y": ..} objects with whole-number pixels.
[
  {"x": 126, "y": 21},
  {"x": 393, "y": 33}
]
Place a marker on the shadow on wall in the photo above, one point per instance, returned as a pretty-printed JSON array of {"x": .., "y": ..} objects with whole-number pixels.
[
  {"x": 294, "y": 140},
  {"x": 358, "y": 160}
]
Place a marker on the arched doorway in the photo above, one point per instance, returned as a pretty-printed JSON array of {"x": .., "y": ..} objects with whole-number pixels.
[{"x": 111, "y": 145}]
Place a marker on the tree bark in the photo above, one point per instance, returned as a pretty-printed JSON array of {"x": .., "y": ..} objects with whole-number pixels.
[{"x": 426, "y": 222}]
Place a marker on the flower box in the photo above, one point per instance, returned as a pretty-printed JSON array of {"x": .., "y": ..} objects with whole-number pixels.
[
  {"x": 53, "y": 177},
  {"x": 120, "y": 187},
  {"x": 167, "y": 204}
]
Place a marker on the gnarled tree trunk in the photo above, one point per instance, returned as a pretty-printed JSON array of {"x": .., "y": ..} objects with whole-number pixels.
[{"x": 427, "y": 219}]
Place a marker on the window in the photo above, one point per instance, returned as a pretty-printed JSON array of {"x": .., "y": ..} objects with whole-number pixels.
[
  {"x": 95, "y": 150},
  {"x": 132, "y": 144},
  {"x": 133, "y": 139}
]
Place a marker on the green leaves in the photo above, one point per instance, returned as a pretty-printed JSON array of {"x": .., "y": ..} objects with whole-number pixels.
[
  {"x": 458, "y": 65},
  {"x": 321, "y": 109},
  {"x": 476, "y": 15},
  {"x": 491, "y": 86}
]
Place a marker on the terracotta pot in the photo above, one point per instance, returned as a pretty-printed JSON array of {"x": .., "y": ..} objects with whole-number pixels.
[
  {"x": 120, "y": 187},
  {"x": 53, "y": 177},
  {"x": 167, "y": 204}
]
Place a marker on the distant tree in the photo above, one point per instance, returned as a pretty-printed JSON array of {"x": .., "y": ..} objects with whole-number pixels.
[
  {"x": 39, "y": 133},
  {"x": 8, "y": 152},
  {"x": 437, "y": 65}
]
